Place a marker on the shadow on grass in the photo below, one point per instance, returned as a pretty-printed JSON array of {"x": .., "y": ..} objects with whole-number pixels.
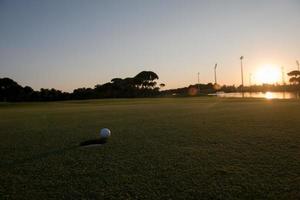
[
  {"x": 37, "y": 157},
  {"x": 93, "y": 142},
  {"x": 47, "y": 154}
]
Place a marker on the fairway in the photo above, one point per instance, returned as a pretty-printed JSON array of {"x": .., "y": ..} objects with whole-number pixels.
[{"x": 160, "y": 148}]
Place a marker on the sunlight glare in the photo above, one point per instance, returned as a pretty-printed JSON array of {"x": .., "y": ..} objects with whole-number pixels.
[
  {"x": 269, "y": 95},
  {"x": 267, "y": 74}
]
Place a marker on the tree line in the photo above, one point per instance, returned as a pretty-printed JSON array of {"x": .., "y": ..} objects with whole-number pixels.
[
  {"x": 210, "y": 88},
  {"x": 142, "y": 85}
]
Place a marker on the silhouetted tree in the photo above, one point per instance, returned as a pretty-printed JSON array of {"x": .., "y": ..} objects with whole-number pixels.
[
  {"x": 162, "y": 85},
  {"x": 142, "y": 85},
  {"x": 10, "y": 90},
  {"x": 83, "y": 93},
  {"x": 28, "y": 93},
  {"x": 295, "y": 77},
  {"x": 145, "y": 79}
]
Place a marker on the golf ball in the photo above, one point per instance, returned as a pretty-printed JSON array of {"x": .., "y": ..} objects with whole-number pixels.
[{"x": 104, "y": 133}]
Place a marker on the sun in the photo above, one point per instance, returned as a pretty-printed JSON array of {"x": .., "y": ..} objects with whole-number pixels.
[{"x": 267, "y": 74}]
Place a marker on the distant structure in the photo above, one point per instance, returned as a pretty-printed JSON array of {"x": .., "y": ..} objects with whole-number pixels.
[
  {"x": 250, "y": 77},
  {"x": 198, "y": 82},
  {"x": 282, "y": 75},
  {"x": 297, "y": 62},
  {"x": 215, "y": 69},
  {"x": 242, "y": 75}
]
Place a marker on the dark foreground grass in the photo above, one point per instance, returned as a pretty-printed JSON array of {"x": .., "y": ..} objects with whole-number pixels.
[{"x": 183, "y": 148}]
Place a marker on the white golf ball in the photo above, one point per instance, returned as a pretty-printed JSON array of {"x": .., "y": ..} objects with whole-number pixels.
[{"x": 104, "y": 133}]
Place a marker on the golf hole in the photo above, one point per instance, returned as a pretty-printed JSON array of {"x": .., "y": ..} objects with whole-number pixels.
[{"x": 94, "y": 142}]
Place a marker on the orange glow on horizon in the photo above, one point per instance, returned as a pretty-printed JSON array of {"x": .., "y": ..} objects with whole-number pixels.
[{"x": 268, "y": 74}]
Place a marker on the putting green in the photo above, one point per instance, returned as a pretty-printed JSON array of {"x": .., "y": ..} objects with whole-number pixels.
[{"x": 164, "y": 148}]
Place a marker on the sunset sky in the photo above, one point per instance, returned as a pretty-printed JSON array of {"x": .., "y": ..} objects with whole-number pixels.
[{"x": 68, "y": 44}]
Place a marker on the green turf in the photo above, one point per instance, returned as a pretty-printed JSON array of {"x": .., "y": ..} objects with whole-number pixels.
[{"x": 181, "y": 148}]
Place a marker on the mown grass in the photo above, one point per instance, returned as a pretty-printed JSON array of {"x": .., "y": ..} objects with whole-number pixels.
[{"x": 181, "y": 148}]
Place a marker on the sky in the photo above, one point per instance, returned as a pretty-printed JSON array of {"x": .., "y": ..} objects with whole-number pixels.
[{"x": 67, "y": 44}]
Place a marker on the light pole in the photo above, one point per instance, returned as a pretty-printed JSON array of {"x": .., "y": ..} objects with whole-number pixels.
[
  {"x": 216, "y": 73},
  {"x": 250, "y": 83},
  {"x": 198, "y": 83},
  {"x": 283, "y": 82},
  {"x": 242, "y": 75},
  {"x": 298, "y": 70},
  {"x": 282, "y": 75},
  {"x": 250, "y": 77}
]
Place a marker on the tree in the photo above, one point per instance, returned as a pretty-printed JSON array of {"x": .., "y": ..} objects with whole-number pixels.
[
  {"x": 83, "y": 93},
  {"x": 142, "y": 85},
  {"x": 117, "y": 81},
  {"x": 145, "y": 79},
  {"x": 295, "y": 77},
  {"x": 162, "y": 85},
  {"x": 10, "y": 90},
  {"x": 28, "y": 93}
]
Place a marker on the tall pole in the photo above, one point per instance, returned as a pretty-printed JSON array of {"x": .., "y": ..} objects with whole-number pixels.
[
  {"x": 282, "y": 75},
  {"x": 216, "y": 73},
  {"x": 250, "y": 89},
  {"x": 250, "y": 83},
  {"x": 297, "y": 64},
  {"x": 250, "y": 77},
  {"x": 198, "y": 82},
  {"x": 242, "y": 75},
  {"x": 283, "y": 82}
]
